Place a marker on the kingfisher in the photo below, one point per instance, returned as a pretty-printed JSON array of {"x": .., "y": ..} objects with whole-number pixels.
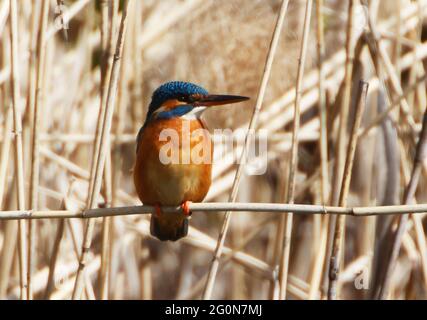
[{"x": 174, "y": 153}]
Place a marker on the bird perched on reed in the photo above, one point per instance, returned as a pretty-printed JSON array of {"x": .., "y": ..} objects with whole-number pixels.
[{"x": 174, "y": 154}]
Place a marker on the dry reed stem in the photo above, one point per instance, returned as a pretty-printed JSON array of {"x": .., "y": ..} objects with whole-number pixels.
[
  {"x": 379, "y": 50},
  {"x": 338, "y": 241},
  {"x": 19, "y": 164},
  {"x": 319, "y": 261},
  {"x": 35, "y": 155},
  {"x": 116, "y": 158},
  {"x": 108, "y": 31},
  {"x": 293, "y": 167},
  {"x": 344, "y": 111},
  {"x": 420, "y": 155},
  {"x": 252, "y": 125},
  {"x": 421, "y": 244},
  {"x": 320, "y": 246},
  {"x": 342, "y": 130},
  {"x": 4, "y": 13},
  {"x": 416, "y": 224},
  {"x": 60, "y": 5},
  {"x": 78, "y": 171},
  {"x": 105, "y": 232},
  {"x": 323, "y": 137},
  {"x": 56, "y": 247},
  {"x": 106, "y": 127},
  {"x": 232, "y": 255},
  {"x": 198, "y": 286},
  {"x": 395, "y": 103},
  {"x": 7, "y": 253},
  {"x": 107, "y": 40},
  {"x": 54, "y": 258},
  {"x": 416, "y": 67},
  {"x": 218, "y": 207},
  {"x": 387, "y": 35},
  {"x": 9, "y": 231},
  {"x": 5, "y": 150},
  {"x": 397, "y": 48},
  {"x": 72, "y": 11},
  {"x": 200, "y": 240}
]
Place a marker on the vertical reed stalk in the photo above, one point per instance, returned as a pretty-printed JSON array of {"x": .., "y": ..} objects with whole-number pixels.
[
  {"x": 344, "y": 111},
  {"x": 5, "y": 150},
  {"x": 342, "y": 130},
  {"x": 108, "y": 9},
  {"x": 338, "y": 241},
  {"x": 104, "y": 132},
  {"x": 19, "y": 159},
  {"x": 293, "y": 166},
  {"x": 35, "y": 155},
  {"x": 320, "y": 247},
  {"x": 9, "y": 231}
]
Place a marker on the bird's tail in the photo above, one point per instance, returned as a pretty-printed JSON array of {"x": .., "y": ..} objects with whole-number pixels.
[{"x": 169, "y": 226}]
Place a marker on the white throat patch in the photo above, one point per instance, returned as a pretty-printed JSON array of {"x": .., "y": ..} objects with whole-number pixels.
[{"x": 195, "y": 113}]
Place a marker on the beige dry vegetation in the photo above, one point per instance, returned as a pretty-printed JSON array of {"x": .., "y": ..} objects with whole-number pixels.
[{"x": 56, "y": 84}]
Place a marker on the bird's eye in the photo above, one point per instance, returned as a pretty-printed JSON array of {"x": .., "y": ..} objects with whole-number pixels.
[
  {"x": 192, "y": 98},
  {"x": 182, "y": 98}
]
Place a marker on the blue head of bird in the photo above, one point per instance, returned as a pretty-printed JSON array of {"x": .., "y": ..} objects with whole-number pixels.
[{"x": 184, "y": 99}]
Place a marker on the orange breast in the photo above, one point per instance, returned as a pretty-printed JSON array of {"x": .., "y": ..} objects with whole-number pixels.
[{"x": 174, "y": 162}]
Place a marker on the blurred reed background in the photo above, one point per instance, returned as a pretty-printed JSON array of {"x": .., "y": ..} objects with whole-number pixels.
[{"x": 54, "y": 82}]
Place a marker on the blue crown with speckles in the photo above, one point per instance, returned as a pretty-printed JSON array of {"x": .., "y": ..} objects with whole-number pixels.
[{"x": 172, "y": 90}]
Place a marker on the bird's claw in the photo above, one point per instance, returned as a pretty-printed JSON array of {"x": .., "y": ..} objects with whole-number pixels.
[
  {"x": 158, "y": 210},
  {"x": 185, "y": 206}
]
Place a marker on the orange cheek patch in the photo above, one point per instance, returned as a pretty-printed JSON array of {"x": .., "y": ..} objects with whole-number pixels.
[{"x": 172, "y": 103}]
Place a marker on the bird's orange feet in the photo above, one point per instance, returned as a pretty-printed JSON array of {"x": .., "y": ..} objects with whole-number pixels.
[
  {"x": 186, "y": 208},
  {"x": 158, "y": 210}
]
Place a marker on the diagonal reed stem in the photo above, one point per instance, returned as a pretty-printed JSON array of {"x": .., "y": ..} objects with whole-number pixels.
[
  {"x": 266, "y": 75},
  {"x": 420, "y": 155}
]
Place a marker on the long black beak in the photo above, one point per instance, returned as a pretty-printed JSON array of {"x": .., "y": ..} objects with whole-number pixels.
[{"x": 218, "y": 99}]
